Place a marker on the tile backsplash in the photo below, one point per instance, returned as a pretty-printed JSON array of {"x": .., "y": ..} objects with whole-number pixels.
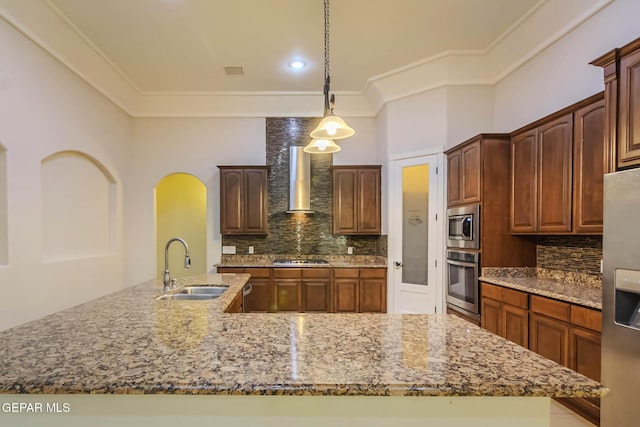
[
  {"x": 570, "y": 253},
  {"x": 302, "y": 234}
]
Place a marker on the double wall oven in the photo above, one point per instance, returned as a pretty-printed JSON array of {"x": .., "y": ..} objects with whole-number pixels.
[{"x": 463, "y": 260}]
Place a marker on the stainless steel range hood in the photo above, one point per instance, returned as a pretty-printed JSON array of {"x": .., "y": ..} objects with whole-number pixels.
[{"x": 299, "y": 181}]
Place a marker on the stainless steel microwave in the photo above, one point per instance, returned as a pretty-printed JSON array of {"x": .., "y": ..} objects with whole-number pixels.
[{"x": 463, "y": 227}]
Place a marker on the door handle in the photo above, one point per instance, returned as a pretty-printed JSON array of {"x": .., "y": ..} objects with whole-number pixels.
[{"x": 397, "y": 264}]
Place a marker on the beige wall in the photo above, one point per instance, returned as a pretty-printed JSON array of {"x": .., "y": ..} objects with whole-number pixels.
[{"x": 44, "y": 109}]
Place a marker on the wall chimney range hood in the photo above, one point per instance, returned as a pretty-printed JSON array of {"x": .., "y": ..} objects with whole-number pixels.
[{"x": 299, "y": 181}]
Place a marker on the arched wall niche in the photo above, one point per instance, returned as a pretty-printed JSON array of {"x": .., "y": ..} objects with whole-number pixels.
[{"x": 78, "y": 207}]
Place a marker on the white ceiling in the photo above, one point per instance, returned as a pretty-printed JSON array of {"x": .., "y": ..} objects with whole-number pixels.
[{"x": 182, "y": 46}]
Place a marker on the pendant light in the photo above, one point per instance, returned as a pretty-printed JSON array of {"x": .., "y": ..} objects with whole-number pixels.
[
  {"x": 322, "y": 146},
  {"x": 331, "y": 126}
]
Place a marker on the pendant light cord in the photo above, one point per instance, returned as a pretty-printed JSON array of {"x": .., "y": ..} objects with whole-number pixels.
[{"x": 328, "y": 107}]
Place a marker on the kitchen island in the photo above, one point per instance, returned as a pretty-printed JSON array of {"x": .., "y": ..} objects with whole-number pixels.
[{"x": 294, "y": 369}]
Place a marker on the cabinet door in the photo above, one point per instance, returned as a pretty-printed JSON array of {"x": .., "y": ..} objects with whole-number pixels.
[
  {"x": 491, "y": 318},
  {"x": 555, "y": 166},
  {"x": 345, "y": 187},
  {"x": 454, "y": 183},
  {"x": 255, "y": 201},
  {"x": 258, "y": 301},
  {"x": 523, "y": 182},
  {"x": 316, "y": 295},
  {"x": 515, "y": 322},
  {"x": 471, "y": 173},
  {"x": 550, "y": 338},
  {"x": 629, "y": 112},
  {"x": 345, "y": 295},
  {"x": 585, "y": 355},
  {"x": 589, "y": 168},
  {"x": 231, "y": 201},
  {"x": 369, "y": 207},
  {"x": 236, "y": 305},
  {"x": 373, "y": 296},
  {"x": 288, "y": 294}
]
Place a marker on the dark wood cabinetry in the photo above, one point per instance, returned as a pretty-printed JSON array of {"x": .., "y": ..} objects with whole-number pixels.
[
  {"x": 357, "y": 200},
  {"x": 322, "y": 290},
  {"x": 622, "y": 104},
  {"x": 566, "y": 333},
  {"x": 479, "y": 171},
  {"x": 504, "y": 312},
  {"x": 243, "y": 199},
  {"x": 463, "y": 174},
  {"x": 361, "y": 290},
  {"x": 558, "y": 165},
  {"x": 260, "y": 298},
  {"x": 589, "y": 167},
  {"x": 236, "y": 305},
  {"x": 541, "y": 165}
]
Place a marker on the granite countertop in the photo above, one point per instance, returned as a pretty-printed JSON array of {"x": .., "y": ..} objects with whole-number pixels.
[
  {"x": 575, "y": 288},
  {"x": 129, "y": 342},
  {"x": 334, "y": 261}
]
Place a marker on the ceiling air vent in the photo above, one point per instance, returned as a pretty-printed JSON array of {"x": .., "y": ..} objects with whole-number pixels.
[{"x": 234, "y": 71}]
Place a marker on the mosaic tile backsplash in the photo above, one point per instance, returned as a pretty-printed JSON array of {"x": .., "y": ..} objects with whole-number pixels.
[
  {"x": 570, "y": 253},
  {"x": 302, "y": 234}
]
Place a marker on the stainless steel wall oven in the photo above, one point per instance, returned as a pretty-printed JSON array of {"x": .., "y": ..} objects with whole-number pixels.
[{"x": 463, "y": 294}]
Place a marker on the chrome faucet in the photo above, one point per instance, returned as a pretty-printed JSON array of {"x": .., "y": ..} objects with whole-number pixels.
[{"x": 166, "y": 276}]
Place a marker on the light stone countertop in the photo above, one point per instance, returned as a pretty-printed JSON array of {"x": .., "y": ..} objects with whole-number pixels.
[
  {"x": 129, "y": 342},
  {"x": 568, "y": 288}
]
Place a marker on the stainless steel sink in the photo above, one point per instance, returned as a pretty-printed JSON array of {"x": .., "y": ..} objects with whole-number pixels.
[
  {"x": 181, "y": 296},
  {"x": 214, "y": 291}
]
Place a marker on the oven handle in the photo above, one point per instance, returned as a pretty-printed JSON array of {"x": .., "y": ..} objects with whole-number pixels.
[{"x": 463, "y": 263}]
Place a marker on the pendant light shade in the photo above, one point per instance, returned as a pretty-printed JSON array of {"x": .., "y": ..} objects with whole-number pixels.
[
  {"x": 321, "y": 146},
  {"x": 332, "y": 127}
]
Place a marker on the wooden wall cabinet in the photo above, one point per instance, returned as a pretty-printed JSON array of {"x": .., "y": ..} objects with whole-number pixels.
[
  {"x": 557, "y": 169},
  {"x": 361, "y": 290},
  {"x": 622, "y": 104},
  {"x": 243, "y": 199},
  {"x": 357, "y": 203},
  {"x": 463, "y": 174},
  {"x": 589, "y": 167},
  {"x": 541, "y": 164}
]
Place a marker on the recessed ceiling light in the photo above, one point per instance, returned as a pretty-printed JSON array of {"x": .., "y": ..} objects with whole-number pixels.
[{"x": 297, "y": 64}]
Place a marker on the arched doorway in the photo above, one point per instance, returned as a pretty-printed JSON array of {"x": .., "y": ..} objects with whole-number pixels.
[{"x": 181, "y": 211}]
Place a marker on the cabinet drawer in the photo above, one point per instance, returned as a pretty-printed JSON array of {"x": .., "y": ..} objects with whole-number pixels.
[
  {"x": 264, "y": 273},
  {"x": 552, "y": 308},
  {"x": 586, "y": 317},
  {"x": 287, "y": 273},
  {"x": 490, "y": 291},
  {"x": 347, "y": 273},
  {"x": 372, "y": 273},
  {"x": 316, "y": 272},
  {"x": 231, "y": 270},
  {"x": 517, "y": 298}
]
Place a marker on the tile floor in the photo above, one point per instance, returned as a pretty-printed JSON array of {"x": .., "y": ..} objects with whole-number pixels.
[{"x": 564, "y": 417}]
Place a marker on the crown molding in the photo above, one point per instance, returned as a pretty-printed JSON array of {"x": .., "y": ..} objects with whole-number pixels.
[{"x": 48, "y": 27}]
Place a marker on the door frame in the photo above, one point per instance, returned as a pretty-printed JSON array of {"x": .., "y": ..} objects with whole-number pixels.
[{"x": 438, "y": 233}]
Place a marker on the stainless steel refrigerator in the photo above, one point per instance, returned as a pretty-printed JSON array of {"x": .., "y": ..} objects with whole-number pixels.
[{"x": 621, "y": 300}]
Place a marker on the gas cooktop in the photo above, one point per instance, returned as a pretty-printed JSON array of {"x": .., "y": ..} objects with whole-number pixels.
[{"x": 288, "y": 262}]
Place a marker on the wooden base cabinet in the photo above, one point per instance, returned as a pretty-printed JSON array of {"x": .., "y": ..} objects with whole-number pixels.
[
  {"x": 361, "y": 290},
  {"x": 260, "y": 298},
  {"x": 504, "y": 312}
]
